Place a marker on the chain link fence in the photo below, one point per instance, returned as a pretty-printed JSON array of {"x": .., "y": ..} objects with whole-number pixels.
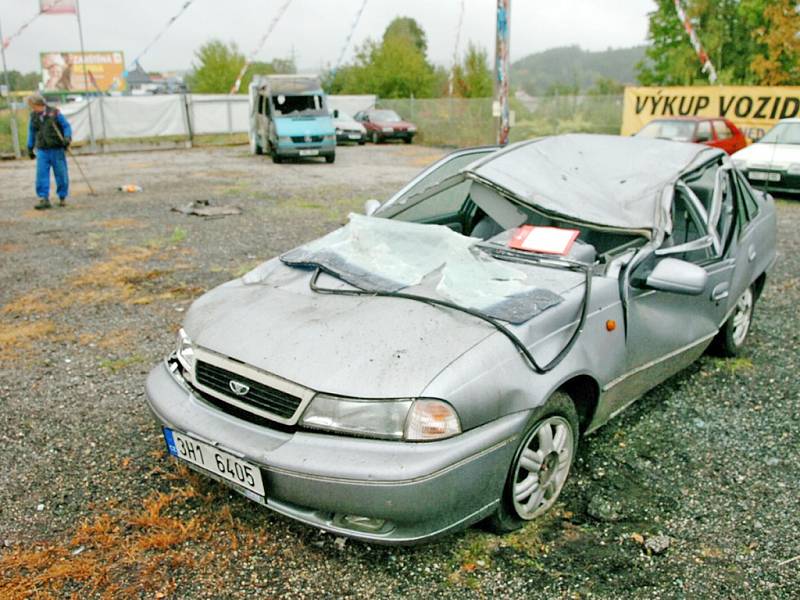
[
  {"x": 462, "y": 122},
  {"x": 6, "y": 126}
]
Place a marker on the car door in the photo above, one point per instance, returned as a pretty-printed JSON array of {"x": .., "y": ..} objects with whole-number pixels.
[{"x": 667, "y": 331}]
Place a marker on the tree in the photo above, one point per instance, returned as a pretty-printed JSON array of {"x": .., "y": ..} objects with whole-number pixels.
[
  {"x": 394, "y": 68},
  {"x": 605, "y": 86},
  {"x": 748, "y": 41},
  {"x": 23, "y": 82},
  {"x": 408, "y": 28},
  {"x": 778, "y": 63},
  {"x": 472, "y": 78},
  {"x": 217, "y": 67}
]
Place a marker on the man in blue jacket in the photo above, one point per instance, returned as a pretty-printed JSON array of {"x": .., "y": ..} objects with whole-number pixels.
[{"x": 50, "y": 133}]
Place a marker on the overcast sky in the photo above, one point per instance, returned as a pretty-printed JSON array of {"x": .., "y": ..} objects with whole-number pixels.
[{"x": 315, "y": 29}]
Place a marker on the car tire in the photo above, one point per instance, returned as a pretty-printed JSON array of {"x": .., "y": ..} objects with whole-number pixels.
[
  {"x": 276, "y": 159},
  {"x": 362, "y": 141},
  {"x": 376, "y": 138},
  {"x": 732, "y": 336},
  {"x": 535, "y": 479},
  {"x": 330, "y": 159},
  {"x": 408, "y": 140}
]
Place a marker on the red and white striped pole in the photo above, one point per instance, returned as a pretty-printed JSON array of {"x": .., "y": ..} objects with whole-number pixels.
[{"x": 708, "y": 67}]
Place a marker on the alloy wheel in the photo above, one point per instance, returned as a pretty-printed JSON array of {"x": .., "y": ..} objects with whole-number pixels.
[
  {"x": 742, "y": 316},
  {"x": 542, "y": 467}
]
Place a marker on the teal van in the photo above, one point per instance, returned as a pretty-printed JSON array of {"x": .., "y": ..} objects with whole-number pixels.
[{"x": 289, "y": 118}]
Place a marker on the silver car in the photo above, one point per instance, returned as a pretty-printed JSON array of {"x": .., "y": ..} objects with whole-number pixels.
[{"x": 435, "y": 362}]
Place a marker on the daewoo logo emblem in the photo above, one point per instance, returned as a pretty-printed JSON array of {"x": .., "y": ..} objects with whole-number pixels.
[
  {"x": 308, "y": 138},
  {"x": 238, "y": 388}
]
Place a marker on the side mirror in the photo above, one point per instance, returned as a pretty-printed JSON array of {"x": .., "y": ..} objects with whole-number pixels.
[
  {"x": 678, "y": 277},
  {"x": 371, "y": 206},
  {"x": 336, "y": 113}
]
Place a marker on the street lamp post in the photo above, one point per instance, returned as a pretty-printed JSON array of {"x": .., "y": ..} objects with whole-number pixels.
[{"x": 13, "y": 120}]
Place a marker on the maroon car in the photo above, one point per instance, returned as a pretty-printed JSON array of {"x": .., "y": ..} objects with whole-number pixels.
[
  {"x": 382, "y": 124},
  {"x": 711, "y": 131}
]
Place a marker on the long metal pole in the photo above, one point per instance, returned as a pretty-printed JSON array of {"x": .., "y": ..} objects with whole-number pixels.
[
  {"x": 502, "y": 69},
  {"x": 92, "y": 141},
  {"x": 13, "y": 121}
]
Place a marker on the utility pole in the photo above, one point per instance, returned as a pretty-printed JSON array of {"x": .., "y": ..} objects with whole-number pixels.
[
  {"x": 502, "y": 69},
  {"x": 13, "y": 121},
  {"x": 92, "y": 142}
]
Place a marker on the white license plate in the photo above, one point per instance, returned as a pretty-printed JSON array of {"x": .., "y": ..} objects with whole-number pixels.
[
  {"x": 764, "y": 176},
  {"x": 354, "y": 136},
  {"x": 309, "y": 152},
  {"x": 223, "y": 465}
]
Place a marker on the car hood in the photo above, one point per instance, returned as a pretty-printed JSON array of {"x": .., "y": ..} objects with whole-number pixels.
[
  {"x": 349, "y": 125},
  {"x": 354, "y": 346},
  {"x": 769, "y": 155},
  {"x": 296, "y": 126},
  {"x": 394, "y": 124}
]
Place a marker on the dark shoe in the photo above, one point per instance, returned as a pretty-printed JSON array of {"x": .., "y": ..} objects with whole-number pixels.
[
  {"x": 43, "y": 204},
  {"x": 62, "y": 201}
]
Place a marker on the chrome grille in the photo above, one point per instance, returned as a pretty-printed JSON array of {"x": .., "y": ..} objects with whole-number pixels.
[{"x": 259, "y": 396}]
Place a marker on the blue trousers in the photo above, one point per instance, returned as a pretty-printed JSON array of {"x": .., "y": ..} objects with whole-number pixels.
[{"x": 56, "y": 159}]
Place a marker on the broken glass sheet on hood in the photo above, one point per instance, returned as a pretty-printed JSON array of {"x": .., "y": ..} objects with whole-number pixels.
[{"x": 375, "y": 254}]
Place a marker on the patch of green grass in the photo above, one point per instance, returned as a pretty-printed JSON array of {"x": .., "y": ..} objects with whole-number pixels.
[
  {"x": 245, "y": 268},
  {"x": 734, "y": 365},
  {"x": 178, "y": 235},
  {"x": 118, "y": 364}
]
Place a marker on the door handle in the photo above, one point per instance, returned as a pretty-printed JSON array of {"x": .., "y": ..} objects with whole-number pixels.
[
  {"x": 720, "y": 292},
  {"x": 751, "y": 253}
]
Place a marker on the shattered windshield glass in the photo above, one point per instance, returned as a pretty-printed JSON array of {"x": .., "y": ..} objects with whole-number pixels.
[{"x": 375, "y": 254}]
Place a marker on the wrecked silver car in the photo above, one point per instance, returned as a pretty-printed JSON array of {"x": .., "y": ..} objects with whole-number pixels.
[{"x": 434, "y": 364}]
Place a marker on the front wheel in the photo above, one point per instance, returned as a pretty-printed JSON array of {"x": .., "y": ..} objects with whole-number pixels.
[
  {"x": 255, "y": 146},
  {"x": 330, "y": 158},
  {"x": 731, "y": 338},
  {"x": 541, "y": 465}
]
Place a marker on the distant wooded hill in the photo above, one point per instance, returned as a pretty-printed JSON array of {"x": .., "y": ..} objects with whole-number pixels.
[{"x": 571, "y": 69}]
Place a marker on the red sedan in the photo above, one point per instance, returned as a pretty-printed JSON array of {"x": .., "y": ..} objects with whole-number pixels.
[
  {"x": 382, "y": 125},
  {"x": 717, "y": 132}
]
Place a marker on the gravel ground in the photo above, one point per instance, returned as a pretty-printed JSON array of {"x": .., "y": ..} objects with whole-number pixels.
[{"x": 691, "y": 493}]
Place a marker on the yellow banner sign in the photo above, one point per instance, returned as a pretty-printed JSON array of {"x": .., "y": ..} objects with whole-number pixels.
[
  {"x": 63, "y": 72},
  {"x": 753, "y": 109}
]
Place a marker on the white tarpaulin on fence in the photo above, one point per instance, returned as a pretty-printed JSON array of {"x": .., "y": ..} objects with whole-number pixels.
[
  {"x": 121, "y": 117},
  {"x": 128, "y": 117}
]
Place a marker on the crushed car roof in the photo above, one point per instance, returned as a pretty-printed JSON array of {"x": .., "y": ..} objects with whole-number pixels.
[{"x": 606, "y": 180}]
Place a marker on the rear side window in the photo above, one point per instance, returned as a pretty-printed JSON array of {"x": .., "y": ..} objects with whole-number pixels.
[
  {"x": 722, "y": 130},
  {"x": 704, "y": 132}
]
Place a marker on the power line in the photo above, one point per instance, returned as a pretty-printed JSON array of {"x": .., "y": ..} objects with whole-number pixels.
[
  {"x": 349, "y": 36},
  {"x": 238, "y": 83},
  {"x": 455, "y": 49},
  {"x": 158, "y": 36}
]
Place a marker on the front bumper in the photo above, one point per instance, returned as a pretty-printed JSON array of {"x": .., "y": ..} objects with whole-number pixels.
[
  {"x": 421, "y": 490},
  {"x": 300, "y": 150},
  {"x": 350, "y": 136},
  {"x": 788, "y": 183},
  {"x": 397, "y": 135}
]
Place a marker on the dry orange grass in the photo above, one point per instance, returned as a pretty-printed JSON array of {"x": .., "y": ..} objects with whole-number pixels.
[
  {"x": 9, "y": 247},
  {"x": 132, "y": 551},
  {"x": 16, "y": 337},
  {"x": 114, "y": 224}
]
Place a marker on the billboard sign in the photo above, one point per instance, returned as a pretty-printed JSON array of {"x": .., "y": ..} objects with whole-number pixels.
[
  {"x": 58, "y": 7},
  {"x": 754, "y": 110},
  {"x": 63, "y": 72}
]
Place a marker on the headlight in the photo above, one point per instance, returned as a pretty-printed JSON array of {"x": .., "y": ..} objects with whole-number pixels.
[
  {"x": 338, "y": 131},
  {"x": 412, "y": 420},
  {"x": 185, "y": 351},
  {"x": 284, "y": 139},
  {"x": 412, "y": 129},
  {"x": 388, "y": 129},
  {"x": 794, "y": 169},
  {"x": 329, "y": 138}
]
